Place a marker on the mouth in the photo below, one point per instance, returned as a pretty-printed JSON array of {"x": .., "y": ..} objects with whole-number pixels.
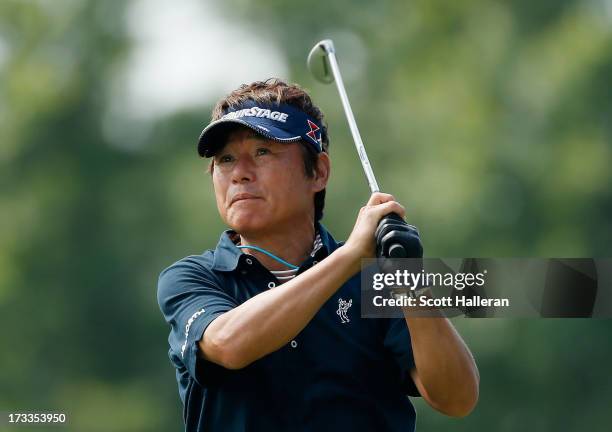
[{"x": 243, "y": 197}]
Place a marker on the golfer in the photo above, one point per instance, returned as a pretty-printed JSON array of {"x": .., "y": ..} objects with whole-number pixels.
[{"x": 265, "y": 330}]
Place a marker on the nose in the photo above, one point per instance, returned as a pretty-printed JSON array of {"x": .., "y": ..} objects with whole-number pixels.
[{"x": 244, "y": 170}]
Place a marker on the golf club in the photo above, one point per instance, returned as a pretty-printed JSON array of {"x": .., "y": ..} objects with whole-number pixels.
[{"x": 394, "y": 237}]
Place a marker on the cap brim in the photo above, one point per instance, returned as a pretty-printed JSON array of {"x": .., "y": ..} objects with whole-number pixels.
[{"x": 215, "y": 134}]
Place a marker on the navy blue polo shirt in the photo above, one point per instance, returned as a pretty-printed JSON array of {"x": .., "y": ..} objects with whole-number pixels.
[{"x": 340, "y": 373}]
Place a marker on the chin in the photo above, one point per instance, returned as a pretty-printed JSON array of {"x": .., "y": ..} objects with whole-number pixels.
[{"x": 244, "y": 222}]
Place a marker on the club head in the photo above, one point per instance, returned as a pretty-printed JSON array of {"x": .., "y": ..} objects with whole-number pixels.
[{"x": 318, "y": 61}]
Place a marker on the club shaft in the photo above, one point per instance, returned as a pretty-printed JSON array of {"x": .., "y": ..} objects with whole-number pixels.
[{"x": 363, "y": 156}]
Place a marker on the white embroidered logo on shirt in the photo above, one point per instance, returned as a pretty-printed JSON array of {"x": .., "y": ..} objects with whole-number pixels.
[
  {"x": 343, "y": 307},
  {"x": 187, "y": 327}
]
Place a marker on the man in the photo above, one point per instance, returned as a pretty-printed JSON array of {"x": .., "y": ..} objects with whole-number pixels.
[{"x": 265, "y": 329}]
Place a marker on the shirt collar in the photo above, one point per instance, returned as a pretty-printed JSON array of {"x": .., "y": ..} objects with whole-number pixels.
[{"x": 227, "y": 255}]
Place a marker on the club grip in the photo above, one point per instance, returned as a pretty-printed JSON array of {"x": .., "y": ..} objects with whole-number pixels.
[{"x": 397, "y": 239}]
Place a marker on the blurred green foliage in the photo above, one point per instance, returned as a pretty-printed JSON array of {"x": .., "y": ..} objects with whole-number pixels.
[{"x": 491, "y": 121}]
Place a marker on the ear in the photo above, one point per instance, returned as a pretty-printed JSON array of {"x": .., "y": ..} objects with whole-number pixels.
[{"x": 322, "y": 172}]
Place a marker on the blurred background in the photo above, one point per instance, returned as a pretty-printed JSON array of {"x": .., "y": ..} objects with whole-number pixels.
[{"x": 490, "y": 121}]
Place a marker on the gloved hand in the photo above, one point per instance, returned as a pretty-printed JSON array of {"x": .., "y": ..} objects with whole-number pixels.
[{"x": 397, "y": 239}]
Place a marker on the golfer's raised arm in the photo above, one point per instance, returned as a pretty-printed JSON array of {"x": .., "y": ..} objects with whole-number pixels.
[{"x": 271, "y": 319}]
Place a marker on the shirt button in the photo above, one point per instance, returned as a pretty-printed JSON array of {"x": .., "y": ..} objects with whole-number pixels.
[
  {"x": 314, "y": 262},
  {"x": 249, "y": 261},
  {"x": 271, "y": 284},
  {"x": 293, "y": 344}
]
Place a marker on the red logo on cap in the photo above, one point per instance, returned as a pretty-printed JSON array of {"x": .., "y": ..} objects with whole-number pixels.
[{"x": 313, "y": 128}]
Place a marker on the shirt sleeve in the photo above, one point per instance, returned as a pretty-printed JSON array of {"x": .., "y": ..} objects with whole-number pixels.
[
  {"x": 190, "y": 298},
  {"x": 397, "y": 341}
]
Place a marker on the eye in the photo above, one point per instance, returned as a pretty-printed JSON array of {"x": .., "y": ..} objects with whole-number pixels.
[
  {"x": 225, "y": 159},
  {"x": 262, "y": 151}
]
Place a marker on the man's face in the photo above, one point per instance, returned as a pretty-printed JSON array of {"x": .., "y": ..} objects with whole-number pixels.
[{"x": 261, "y": 185}]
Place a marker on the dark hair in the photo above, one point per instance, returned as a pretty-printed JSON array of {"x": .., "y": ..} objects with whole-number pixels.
[{"x": 276, "y": 91}]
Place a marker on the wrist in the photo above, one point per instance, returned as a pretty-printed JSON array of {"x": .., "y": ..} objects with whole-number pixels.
[{"x": 350, "y": 257}]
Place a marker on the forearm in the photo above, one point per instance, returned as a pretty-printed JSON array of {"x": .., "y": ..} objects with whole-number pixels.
[
  {"x": 445, "y": 366},
  {"x": 271, "y": 319}
]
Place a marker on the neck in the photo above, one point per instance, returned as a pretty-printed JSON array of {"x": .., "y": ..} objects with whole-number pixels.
[{"x": 293, "y": 244}]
